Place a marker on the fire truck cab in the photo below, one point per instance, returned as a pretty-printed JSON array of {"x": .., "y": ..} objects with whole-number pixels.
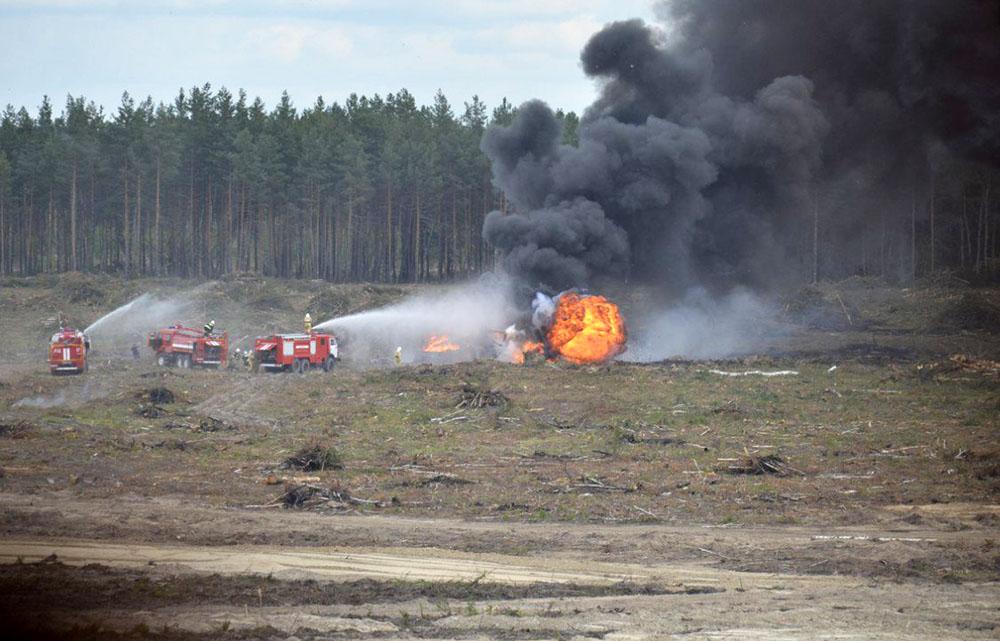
[
  {"x": 186, "y": 347},
  {"x": 296, "y": 352},
  {"x": 68, "y": 352}
]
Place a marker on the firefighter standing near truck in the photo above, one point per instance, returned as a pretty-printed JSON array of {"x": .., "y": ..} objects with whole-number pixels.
[
  {"x": 209, "y": 328},
  {"x": 308, "y": 320}
]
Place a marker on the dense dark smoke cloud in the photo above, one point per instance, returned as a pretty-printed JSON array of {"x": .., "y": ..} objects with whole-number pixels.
[{"x": 715, "y": 139}]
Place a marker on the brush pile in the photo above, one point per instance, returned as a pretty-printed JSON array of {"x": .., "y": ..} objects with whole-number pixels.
[
  {"x": 474, "y": 398},
  {"x": 767, "y": 464},
  {"x": 314, "y": 458},
  {"x": 303, "y": 497}
]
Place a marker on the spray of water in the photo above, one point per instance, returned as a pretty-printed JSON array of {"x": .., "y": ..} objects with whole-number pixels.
[
  {"x": 127, "y": 325},
  {"x": 466, "y": 313}
]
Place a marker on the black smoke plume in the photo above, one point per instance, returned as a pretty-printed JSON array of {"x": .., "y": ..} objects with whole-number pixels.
[{"x": 716, "y": 139}]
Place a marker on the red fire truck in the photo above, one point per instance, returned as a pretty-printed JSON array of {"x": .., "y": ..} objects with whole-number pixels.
[
  {"x": 295, "y": 352},
  {"x": 68, "y": 352},
  {"x": 186, "y": 347}
]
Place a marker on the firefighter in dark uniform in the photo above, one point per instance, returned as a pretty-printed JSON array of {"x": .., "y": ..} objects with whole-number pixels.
[{"x": 209, "y": 327}]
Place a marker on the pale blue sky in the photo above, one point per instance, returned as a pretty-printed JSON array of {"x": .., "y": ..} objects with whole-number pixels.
[{"x": 98, "y": 48}]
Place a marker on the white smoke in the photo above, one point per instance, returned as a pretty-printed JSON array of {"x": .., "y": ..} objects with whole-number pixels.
[
  {"x": 466, "y": 313},
  {"x": 701, "y": 326},
  {"x": 543, "y": 308},
  {"x": 43, "y": 402}
]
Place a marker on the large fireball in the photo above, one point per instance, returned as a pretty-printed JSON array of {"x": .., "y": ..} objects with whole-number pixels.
[{"x": 586, "y": 329}]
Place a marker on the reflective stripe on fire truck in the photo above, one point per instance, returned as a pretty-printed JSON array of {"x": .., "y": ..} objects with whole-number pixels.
[{"x": 66, "y": 354}]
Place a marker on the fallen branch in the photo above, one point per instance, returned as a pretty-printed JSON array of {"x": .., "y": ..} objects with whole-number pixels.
[
  {"x": 850, "y": 321},
  {"x": 755, "y": 372},
  {"x": 441, "y": 420}
]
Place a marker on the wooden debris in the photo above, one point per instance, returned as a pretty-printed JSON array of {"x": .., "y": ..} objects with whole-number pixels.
[
  {"x": 272, "y": 479},
  {"x": 309, "y": 496},
  {"x": 314, "y": 458},
  {"x": 768, "y": 464},
  {"x": 594, "y": 484},
  {"x": 474, "y": 398}
]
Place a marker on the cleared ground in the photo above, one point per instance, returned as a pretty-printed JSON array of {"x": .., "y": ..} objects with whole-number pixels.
[{"x": 622, "y": 501}]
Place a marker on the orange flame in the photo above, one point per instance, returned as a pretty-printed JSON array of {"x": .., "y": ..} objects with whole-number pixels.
[
  {"x": 440, "y": 344},
  {"x": 586, "y": 329},
  {"x": 527, "y": 347}
]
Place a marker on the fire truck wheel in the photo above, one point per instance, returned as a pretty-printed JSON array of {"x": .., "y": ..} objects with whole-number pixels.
[
  {"x": 184, "y": 361},
  {"x": 328, "y": 364},
  {"x": 161, "y": 360},
  {"x": 302, "y": 366}
]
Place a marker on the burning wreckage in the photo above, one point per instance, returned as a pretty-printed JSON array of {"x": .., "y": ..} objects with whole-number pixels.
[{"x": 574, "y": 327}]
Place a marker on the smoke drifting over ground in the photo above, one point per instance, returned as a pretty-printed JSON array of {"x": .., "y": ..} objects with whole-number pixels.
[
  {"x": 43, "y": 401},
  {"x": 465, "y": 313},
  {"x": 712, "y": 143},
  {"x": 702, "y": 326}
]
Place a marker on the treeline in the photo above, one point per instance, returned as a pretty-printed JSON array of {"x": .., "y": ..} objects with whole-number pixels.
[
  {"x": 950, "y": 222},
  {"x": 376, "y": 189}
]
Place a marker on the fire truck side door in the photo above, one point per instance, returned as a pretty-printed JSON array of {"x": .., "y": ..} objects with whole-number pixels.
[
  {"x": 288, "y": 347},
  {"x": 312, "y": 347}
]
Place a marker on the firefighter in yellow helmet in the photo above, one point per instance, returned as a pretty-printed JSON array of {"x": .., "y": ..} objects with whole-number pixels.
[
  {"x": 309, "y": 323},
  {"x": 209, "y": 327},
  {"x": 398, "y": 356}
]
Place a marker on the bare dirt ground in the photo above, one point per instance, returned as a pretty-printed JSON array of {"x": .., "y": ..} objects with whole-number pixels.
[{"x": 629, "y": 501}]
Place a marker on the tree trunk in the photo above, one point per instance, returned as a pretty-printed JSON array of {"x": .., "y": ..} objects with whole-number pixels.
[
  {"x": 192, "y": 246},
  {"x": 416, "y": 241},
  {"x": 157, "y": 239},
  {"x": 931, "y": 214},
  {"x": 391, "y": 248},
  {"x": 986, "y": 228},
  {"x": 349, "y": 247},
  {"x": 138, "y": 224},
  {"x": 815, "y": 278},
  {"x": 207, "y": 251},
  {"x": 913, "y": 235},
  {"x": 127, "y": 228},
  {"x": 72, "y": 222}
]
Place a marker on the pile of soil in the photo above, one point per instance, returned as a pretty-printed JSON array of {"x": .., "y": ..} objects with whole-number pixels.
[{"x": 972, "y": 312}]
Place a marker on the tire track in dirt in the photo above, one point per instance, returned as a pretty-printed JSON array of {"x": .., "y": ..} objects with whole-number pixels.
[{"x": 422, "y": 565}]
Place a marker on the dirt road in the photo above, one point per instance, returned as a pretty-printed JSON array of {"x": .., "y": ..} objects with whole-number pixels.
[{"x": 687, "y": 591}]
